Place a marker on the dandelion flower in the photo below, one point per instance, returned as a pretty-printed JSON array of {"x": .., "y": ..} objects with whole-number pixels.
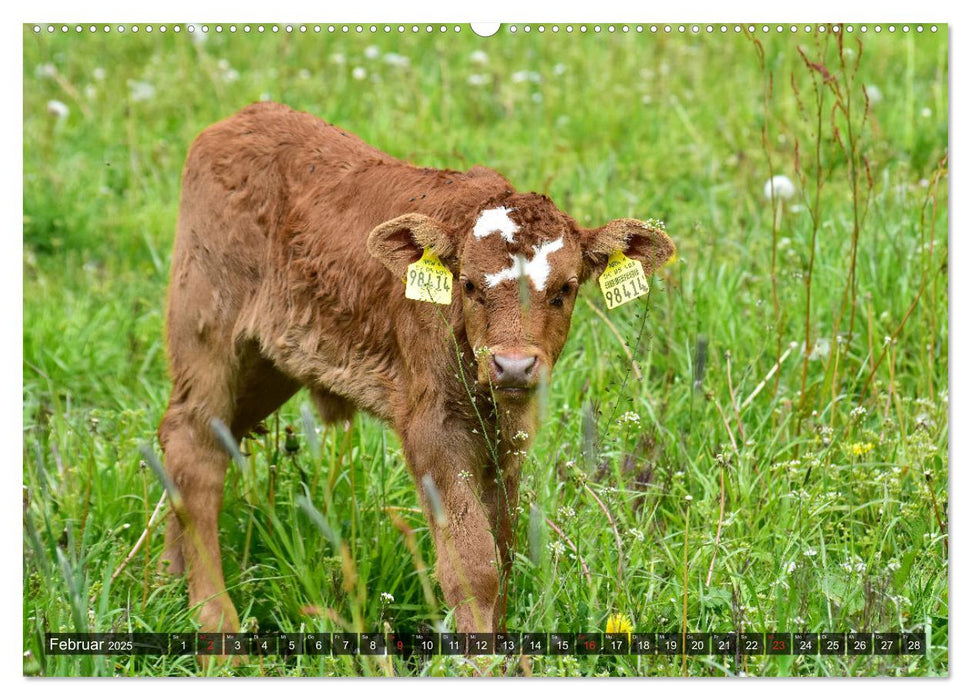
[
  {"x": 781, "y": 185},
  {"x": 859, "y": 449},
  {"x": 619, "y": 624},
  {"x": 58, "y": 109}
]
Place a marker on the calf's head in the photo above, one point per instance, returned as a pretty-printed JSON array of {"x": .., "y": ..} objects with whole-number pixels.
[{"x": 517, "y": 265}]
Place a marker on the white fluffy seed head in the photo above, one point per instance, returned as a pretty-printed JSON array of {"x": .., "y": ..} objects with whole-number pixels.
[{"x": 781, "y": 185}]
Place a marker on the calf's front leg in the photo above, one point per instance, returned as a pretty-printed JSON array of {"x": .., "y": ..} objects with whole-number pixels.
[
  {"x": 464, "y": 545},
  {"x": 198, "y": 466}
]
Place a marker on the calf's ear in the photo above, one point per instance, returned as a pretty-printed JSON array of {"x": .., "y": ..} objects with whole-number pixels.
[
  {"x": 633, "y": 238},
  {"x": 399, "y": 242}
]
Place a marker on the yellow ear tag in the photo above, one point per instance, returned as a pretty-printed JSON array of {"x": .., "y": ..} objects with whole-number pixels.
[
  {"x": 429, "y": 280},
  {"x": 622, "y": 280}
]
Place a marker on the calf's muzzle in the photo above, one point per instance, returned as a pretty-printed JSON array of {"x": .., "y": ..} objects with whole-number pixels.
[{"x": 514, "y": 371}]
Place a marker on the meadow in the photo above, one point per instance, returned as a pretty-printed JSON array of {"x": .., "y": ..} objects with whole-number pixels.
[{"x": 760, "y": 444}]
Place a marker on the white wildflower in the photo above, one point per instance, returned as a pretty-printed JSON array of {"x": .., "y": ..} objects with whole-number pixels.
[
  {"x": 559, "y": 69},
  {"x": 99, "y": 74},
  {"x": 141, "y": 91},
  {"x": 359, "y": 73},
  {"x": 477, "y": 79},
  {"x": 926, "y": 112},
  {"x": 873, "y": 92},
  {"x": 629, "y": 418},
  {"x": 372, "y": 52},
  {"x": 566, "y": 513},
  {"x": 522, "y": 76},
  {"x": 397, "y": 60},
  {"x": 811, "y": 552},
  {"x": 45, "y": 70},
  {"x": 339, "y": 58},
  {"x": 479, "y": 58},
  {"x": 790, "y": 567},
  {"x": 781, "y": 185},
  {"x": 387, "y": 598},
  {"x": 557, "y": 548},
  {"x": 58, "y": 109}
]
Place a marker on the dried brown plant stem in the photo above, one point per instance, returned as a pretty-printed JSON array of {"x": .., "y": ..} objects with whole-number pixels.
[
  {"x": 728, "y": 428},
  {"x": 718, "y": 532},
  {"x": 143, "y": 538},
  {"x": 776, "y": 202},
  {"x": 569, "y": 543},
  {"x": 731, "y": 395},
  {"x": 613, "y": 526},
  {"x": 897, "y": 331},
  {"x": 816, "y": 219},
  {"x": 761, "y": 385}
]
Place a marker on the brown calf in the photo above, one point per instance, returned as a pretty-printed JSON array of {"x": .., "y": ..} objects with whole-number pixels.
[{"x": 293, "y": 242}]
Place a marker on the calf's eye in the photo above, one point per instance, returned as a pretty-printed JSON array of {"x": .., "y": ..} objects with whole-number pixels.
[{"x": 469, "y": 287}]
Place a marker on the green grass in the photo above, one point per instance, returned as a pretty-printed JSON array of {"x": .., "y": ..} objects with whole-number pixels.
[{"x": 834, "y": 517}]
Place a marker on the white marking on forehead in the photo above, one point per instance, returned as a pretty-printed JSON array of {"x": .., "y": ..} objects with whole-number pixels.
[
  {"x": 537, "y": 270},
  {"x": 495, "y": 221}
]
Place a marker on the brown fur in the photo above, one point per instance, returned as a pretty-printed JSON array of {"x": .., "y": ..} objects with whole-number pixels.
[{"x": 292, "y": 245}]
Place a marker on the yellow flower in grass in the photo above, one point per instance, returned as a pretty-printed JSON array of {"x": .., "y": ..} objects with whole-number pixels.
[
  {"x": 858, "y": 449},
  {"x": 620, "y": 624}
]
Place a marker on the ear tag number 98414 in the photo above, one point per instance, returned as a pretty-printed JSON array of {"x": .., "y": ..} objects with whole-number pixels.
[
  {"x": 623, "y": 280},
  {"x": 429, "y": 280}
]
